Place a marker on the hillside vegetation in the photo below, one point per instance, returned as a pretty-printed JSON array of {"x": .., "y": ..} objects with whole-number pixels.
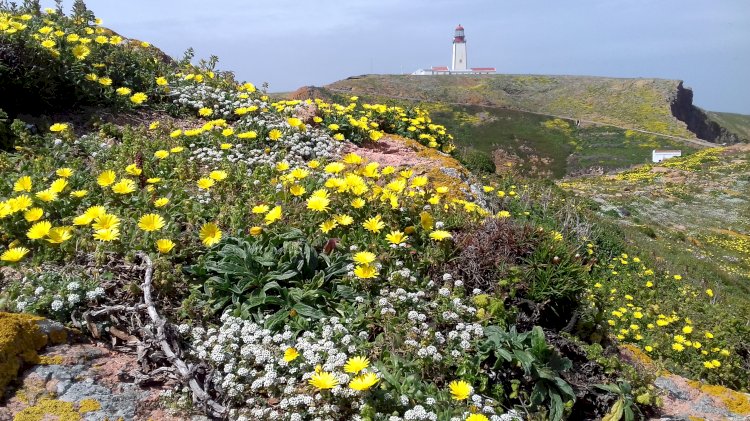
[
  {"x": 631, "y": 103},
  {"x": 260, "y": 264},
  {"x": 693, "y": 209},
  {"x": 738, "y": 124},
  {"x": 502, "y": 140}
]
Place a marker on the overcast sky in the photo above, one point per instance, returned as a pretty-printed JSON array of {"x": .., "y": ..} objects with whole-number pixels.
[{"x": 290, "y": 43}]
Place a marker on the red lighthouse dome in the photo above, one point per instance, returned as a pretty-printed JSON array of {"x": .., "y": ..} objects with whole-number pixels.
[{"x": 459, "y": 37}]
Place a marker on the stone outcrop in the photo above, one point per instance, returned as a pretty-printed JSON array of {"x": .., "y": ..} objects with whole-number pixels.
[{"x": 697, "y": 120}]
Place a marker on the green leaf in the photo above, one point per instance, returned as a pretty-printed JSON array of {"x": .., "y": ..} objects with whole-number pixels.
[
  {"x": 276, "y": 319},
  {"x": 565, "y": 388},
  {"x": 538, "y": 341},
  {"x": 232, "y": 250},
  {"x": 228, "y": 268},
  {"x": 628, "y": 413},
  {"x": 557, "y": 408},
  {"x": 612, "y": 388},
  {"x": 504, "y": 354},
  {"x": 307, "y": 311},
  {"x": 283, "y": 276},
  {"x": 524, "y": 357}
]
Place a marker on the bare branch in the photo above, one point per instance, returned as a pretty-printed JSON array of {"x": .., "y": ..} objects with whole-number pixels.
[{"x": 199, "y": 394}]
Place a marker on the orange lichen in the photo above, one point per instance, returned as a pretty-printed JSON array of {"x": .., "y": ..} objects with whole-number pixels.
[
  {"x": 89, "y": 405},
  {"x": 22, "y": 397},
  {"x": 58, "y": 337},
  {"x": 734, "y": 401},
  {"x": 435, "y": 173},
  {"x": 636, "y": 354},
  {"x": 20, "y": 338},
  {"x": 50, "y": 360},
  {"x": 46, "y": 407}
]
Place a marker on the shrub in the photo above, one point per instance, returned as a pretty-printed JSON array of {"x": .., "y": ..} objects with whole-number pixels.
[
  {"x": 486, "y": 252},
  {"x": 552, "y": 274},
  {"x": 43, "y": 72},
  {"x": 530, "y": 366},
  {"x": 476, "y": 161}
]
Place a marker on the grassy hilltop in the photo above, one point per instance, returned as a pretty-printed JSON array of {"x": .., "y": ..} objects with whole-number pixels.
[
  {"x": 555, "y": 125},
  {"x": 739, "y": 124},
  {"x": 527, "y": 143},
  {"x": 632, "y": 103},
  {"x": 693, "y": 209}
]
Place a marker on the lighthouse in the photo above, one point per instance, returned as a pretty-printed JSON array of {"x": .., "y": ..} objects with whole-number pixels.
[
  {"x": 459, "y": 50},
  {"x": 459, "y": 65}
]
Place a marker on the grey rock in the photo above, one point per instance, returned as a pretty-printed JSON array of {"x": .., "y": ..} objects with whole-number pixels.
[
  {"x": 48, "y": 327},
  {"x": 670, "y": 387},
  {"x": 705, "y": 404},
  {"x": 451, "y": 172}
]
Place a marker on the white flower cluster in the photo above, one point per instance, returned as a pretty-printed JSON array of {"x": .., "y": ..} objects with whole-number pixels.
[
  {"x": 223, "y": 102},
  {"x": 437, "y": 326},
  {"x": 249, "y": 363},
  {"x": 419, "y": 413},
  {"x": 295, "y": 146},
  {"x": 455, "y": 335},
  {"x": 51, "y": 293}
]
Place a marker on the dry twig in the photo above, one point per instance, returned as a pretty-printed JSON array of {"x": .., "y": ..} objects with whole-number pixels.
[{"x": 199, "y": 395}]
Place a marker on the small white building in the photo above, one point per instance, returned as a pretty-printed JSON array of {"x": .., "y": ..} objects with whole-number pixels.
[
  {"x": 460, "y": 65},
  {"x": 658, "y": 155}
]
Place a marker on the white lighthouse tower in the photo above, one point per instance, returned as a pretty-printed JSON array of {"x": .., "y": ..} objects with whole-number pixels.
[
  {"x": 459, "y": 65},
  {"x": 459, "y": 50}
]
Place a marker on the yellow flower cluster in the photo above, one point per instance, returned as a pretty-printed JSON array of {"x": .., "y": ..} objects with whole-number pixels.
[
  {"x": 353, "y": 186},
  {"x": 636, "y": 317},
  {"x": 361, "y": 381},
  {"x": 78, "y": 41},
  {"x": 369, "y": 122}
]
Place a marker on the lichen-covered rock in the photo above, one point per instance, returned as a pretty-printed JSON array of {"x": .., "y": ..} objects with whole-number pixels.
[
  {"x": 688, "y": 399},
  {"x": 84, "y": 382},
  {"x": 21, "y": 336}
]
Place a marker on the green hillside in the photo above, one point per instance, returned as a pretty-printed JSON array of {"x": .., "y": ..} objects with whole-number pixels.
[
  {"x": 738, "y": 124},
  {"x": 538, "y": 145},
  {"x": 692, "y": 211},
  {"x": 630, "y": 103},
  {"x": 529, "y": 143}
]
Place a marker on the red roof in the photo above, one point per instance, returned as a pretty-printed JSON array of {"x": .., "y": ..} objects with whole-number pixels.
[
  {"x": 483, "y": 69},
  {"x": 440, "y": 68},
  {"x": 459, "y": 27}
]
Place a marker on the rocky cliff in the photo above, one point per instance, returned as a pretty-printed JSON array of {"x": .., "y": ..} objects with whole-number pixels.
[{"x": 697, "y": 120}]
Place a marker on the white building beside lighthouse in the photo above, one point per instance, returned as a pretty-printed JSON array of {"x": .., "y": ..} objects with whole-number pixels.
[{"x": 459, "y": 62}]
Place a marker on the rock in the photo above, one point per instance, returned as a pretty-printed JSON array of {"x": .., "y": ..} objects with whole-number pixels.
[
  {"x": 86, "y": 380},
  {"x": 306, "y": 112},
  {"x": 669, "y": 386},
  {"x": 687, "y": 399}
]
